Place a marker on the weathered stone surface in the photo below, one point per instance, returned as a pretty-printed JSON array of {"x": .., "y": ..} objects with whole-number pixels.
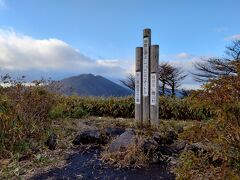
[
  {"x": 149, "y": 146},
  {"x": 114, "y": 131},
  {"x": 155, "y": 158},
  {"x": 169, "y": 138},
  {"x": 196, "y": 147},
  {"x": 123, "y": 141},
  {"x": 87, "y": 137},
  {"x": 174, "y": 148},
  {"x": 172, "y": 161},
  {"x": 157, "y": 137},
  {"x": 52, "y": 141},
  {"x": 165, "y": 150},
  {"x": 178, "y": 146}
]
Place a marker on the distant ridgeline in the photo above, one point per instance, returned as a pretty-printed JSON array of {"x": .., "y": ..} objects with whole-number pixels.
[
  {"x": 91, "y": 85},
  {"x": 168, "y": 92}
]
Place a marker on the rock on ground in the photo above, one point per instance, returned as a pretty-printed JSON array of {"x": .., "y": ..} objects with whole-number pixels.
[
  {"x": 196, "y": 147},
  {"x": 123, "y": 141},
  {"x": 115, "y": 131},
  {"x": 88, "y": 137},
  {"x": 169, "y": 138},
  {"x": 52, "y": 141},
  {"x": 178, "y": 146}
]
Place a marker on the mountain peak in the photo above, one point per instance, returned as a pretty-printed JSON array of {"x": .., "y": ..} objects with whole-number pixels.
[{"x": 92, "y": 85}]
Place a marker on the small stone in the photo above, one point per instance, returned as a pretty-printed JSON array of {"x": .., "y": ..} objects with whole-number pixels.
[
  {"x": 114, "y": 131},
  {"x": 171, "y": 136},
  {"x": 88, "y": 137},
  {"x": 155, "y": 158},
  {"x": 172, "y": 161},
  {"x": 196, "y": 147},
  {"x": 178, "y": 146},
  {"x": 24, "y": 157},
  {"x": 157, "y": 137},
  {"x": 52, "y": 141},
  {"x": 67, "y": 157},
  {"x": 165, "y": 150},
  {"x": 149, "y": 146}
]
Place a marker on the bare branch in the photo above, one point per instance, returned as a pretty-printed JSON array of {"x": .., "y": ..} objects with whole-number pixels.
[
  {"x": 129, "y": 82},
  {"x": 214, "y": 68}
]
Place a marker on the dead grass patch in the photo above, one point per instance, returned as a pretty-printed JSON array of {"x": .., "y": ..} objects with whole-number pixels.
[{"x": 133, "y": 156}]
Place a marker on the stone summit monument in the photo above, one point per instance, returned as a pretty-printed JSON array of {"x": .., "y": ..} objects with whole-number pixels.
[{"x": 146, "y": 82}]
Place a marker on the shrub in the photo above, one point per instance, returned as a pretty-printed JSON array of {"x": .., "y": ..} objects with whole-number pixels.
[
  {"x": 23, "y": 117},
  {"x": 183, "y": 109},
  {"x": 76, "y": 107},
  {"x": 169, "y": 108},
  {"x": 221, "y": 135}
]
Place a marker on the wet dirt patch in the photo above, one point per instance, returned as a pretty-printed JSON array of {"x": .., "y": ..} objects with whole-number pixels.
[{"x": 85, "y": 164}]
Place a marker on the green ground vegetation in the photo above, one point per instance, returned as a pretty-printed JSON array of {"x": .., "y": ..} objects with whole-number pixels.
[{"x": 29, "y": 114}]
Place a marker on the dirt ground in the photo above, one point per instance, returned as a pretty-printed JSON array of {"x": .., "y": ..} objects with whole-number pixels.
[{"x": 87, "y": 165}]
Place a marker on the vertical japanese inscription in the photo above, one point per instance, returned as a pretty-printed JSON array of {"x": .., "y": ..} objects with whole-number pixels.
[
  {"x": 145, "y": 66},
  {"x": 138, "y": 88},
  {"x": 153, "y": 95}
]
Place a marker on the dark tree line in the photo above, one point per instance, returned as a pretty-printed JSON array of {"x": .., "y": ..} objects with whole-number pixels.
[
  {"x": 213, "y": 68},
  {"x": 169, "y": 77}
]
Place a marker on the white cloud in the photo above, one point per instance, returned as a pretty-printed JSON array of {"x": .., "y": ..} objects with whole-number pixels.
[
  {"x": 19, "y": 52},
  {"x": 188, "y": 67},
  {"x": 191, "y": 86},
  {"x": 108, "y": 63},
  {"x": 23, "y": 53},
  {"x": 186, "y": 62},
  {"x": 183, "y": 60},
  {"x": 233, "y": 37},
  {"x": 182, "y": 55},
  {"x": 132, "y": 69}
]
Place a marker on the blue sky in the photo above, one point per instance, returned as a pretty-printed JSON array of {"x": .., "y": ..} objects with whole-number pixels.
[{"x": 60, "y": 38}]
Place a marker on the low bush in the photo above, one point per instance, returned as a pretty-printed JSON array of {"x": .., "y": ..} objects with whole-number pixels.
[
  {"x": 220, "y": 136},
  {"x": 77, "y": 107},
  {"x": 24, "y": 118},
  {"x": 221, "y": 158},
  {"x": 169, "y": 108},
  {"x": 183, "y": 109}
]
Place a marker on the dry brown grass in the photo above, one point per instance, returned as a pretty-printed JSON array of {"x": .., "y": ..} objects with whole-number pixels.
[
  {"x": 66, "y": 129},
  {"x": 132, "y": 156}
]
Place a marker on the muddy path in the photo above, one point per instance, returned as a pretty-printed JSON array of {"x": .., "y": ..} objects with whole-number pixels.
[{"x": 86, "y": 165}]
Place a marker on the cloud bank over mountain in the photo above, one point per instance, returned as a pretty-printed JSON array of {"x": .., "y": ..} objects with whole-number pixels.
[
  {"x": 21, "y": 53},
  {"x": 24, "y": 55}
]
